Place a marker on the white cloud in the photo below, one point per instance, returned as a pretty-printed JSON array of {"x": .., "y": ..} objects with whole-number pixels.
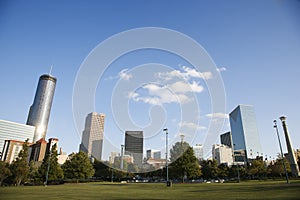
[
  {"x": 124, "y": 75},
  {"x": 186, "y": 74},
  {"x": 191, "y": 125},
  {"x": 218, "y": 115},
  {"x": 183, "y": 87},
  {"x": 221, "y": 69},
  {"x": 158, "y": 95},
  {"x": 190, "y": 72}
]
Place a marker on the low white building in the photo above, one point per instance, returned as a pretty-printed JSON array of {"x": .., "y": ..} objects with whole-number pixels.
[{"x": 222, "y": 153}]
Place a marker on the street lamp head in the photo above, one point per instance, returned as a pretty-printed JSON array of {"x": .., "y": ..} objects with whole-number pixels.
[
  {"x": 282, "y": 118},
  {"x": 165, "y": 129}
]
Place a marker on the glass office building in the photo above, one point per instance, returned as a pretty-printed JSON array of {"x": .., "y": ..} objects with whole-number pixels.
[
  {"x": 245, "y": 137},
  {"x": 134, "y": 146},
  {"x": 15, "y": 131},
  {"x": 39, "y": 112}
]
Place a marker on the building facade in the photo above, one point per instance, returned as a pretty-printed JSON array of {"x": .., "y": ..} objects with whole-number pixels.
[
  {"x": 155, "y": 154},
  {"x": 39, "y": 111},
  {"x": 198, "y": 151},
  {"x": 245, "y": 137},
  {"x": 38, "y": 150},
  {"x": 92, "y": 136},
  {"x": 226, "y": 139},
  {"x": 11, "y": 150},
  {"x": 223, "y": 154},
  {"x": 15, "y": 131},
  {"x": 134, "y": 146}
]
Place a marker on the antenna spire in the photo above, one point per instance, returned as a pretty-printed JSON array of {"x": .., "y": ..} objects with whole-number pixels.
[{"x": 50, "y": 69}]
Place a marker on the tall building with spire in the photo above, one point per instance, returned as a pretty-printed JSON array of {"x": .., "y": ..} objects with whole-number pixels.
[
  {"x": 92, "y": 136},
  {"x": 39, "y": 112}
]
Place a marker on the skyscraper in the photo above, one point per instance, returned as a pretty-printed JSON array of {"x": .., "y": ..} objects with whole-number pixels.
[
  {"x": 39, "y": 112},
  {"x": 244, "y": 132},
  {"x": 92, "y": 136},
  {"x": 134, "y": 146}
]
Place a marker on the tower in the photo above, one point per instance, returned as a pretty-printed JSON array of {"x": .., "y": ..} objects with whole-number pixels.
[
  {"x": 291, "y": 155},
  {"x": 39, "y": 112},
  {"x": 245, "y": 138},
  {"x": 92, "y": 136},
  {"x": 134, "y": 146}
]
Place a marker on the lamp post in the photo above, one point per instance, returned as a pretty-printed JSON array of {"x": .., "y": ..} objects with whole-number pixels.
[
  {"x": 48, "y": 168},
  {"x": 122, "y": 152},
  {"x": 166, "y": 131},
  {"x": 286, "y": 174}
]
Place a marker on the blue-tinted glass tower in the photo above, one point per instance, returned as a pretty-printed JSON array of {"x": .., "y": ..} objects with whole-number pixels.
[
  {"x": 245, "y": 137},
  {"x": 39, "y": 112}
]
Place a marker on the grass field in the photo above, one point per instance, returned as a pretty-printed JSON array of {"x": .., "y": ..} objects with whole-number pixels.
[{"x": 245, "y": 190}]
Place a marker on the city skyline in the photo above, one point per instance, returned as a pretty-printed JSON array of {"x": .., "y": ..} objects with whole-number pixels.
[{"x": 257, "y": 56}]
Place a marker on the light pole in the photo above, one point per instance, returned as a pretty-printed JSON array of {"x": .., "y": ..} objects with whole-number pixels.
[
  {"x": 166, "y": 131},
  {"x": 122, "y": 152},
  {"x": 286, "y": 174},
  {"x": 48, "y": 168}
]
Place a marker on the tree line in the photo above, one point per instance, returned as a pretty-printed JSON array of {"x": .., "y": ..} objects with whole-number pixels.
[{"x": 183, "y": 167}]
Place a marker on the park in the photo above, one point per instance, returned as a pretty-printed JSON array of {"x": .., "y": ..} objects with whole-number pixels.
[{"x": 106, "y": 190}]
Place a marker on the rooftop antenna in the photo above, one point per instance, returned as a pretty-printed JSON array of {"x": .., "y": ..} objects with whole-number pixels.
[{"x": 50, "y": 69}]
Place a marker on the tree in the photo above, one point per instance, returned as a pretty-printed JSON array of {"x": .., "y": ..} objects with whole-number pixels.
[
  {"x": 277, "y": 168},
  {"x": 50, "y": 167},
  {"x": 4, "y": 171},
  {"x": 257, "y": 168},
  {"x": 78, "y": 167},
  {"x": 19, "y": 167},
  {"x": 184, "y": 163},
  {"x": 209, "y": 169},
  {"x": 223, "y": 170}
]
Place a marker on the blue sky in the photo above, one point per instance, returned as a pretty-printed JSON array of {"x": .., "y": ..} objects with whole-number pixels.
[{"x": 257, "y": 42}]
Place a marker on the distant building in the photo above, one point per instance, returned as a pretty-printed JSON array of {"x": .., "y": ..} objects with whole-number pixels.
[
  {"x": 112, "y": 157},
  {"x": 153, "y": 154},
  {"x": 62, "y": 157},
  {"x": 134, "y": 146},
  {"x": 11, "y": 150},
  {"x": 222, "y": 153},
  {"x": 198, "y": 151},
  {"x": 15, "y": 131},
  {"x": 156, "y": 163},
  {"x": 244, "y": 132},
  {"x": 92, "y": 136},
  {"x": 39, "y": 111},
  {"x": 126, "y": 158},
  {"x": 226, "y": 139},
  {"x": 51, "y": 143}
]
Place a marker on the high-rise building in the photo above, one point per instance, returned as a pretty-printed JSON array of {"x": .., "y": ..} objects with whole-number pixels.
[
  {"x": 15, "y": 131},
  {"x": 244, "y": 132},
  {"x": 134, "y": 146},
  {"x": 223, "y": 154},
  {"x": 225, "y": 139},
  {"x": 92, "y": 136},
  {"x": 155, "y": 154},
  {"x": 39, "y": 112},
  {"x": 198, "y": 151}
]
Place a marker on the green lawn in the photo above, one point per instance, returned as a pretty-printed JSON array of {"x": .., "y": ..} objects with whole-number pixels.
[{"x": 244, "y": 190}]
